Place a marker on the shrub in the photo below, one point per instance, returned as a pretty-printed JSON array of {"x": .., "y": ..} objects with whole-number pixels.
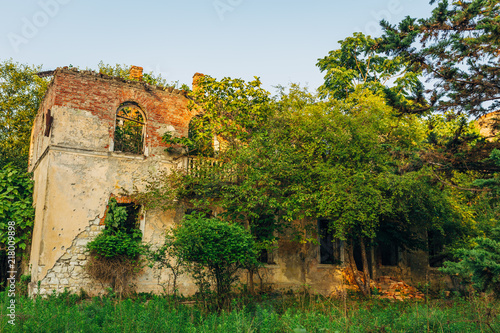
[
  {"x": 117, "y": 244},
  {"x": 115, "y": 252},
  {"x": 479, "y": 265},
  {"x": 16, "y": 205},
  {"x": 218, "y": 246}
]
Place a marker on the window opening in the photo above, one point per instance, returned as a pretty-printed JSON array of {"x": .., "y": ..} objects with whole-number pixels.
[
  {"x": 389, "y": 254},
  {"x": 132, "y": 222},
  {"x": 263, "y": 231},
  {"x": 129, "y": 129},
  {"x": 329, "y": 248},
  {"x": 436, "y": 248}
]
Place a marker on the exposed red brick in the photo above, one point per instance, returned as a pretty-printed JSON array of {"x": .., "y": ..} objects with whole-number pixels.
[
  {"x": 102, "y": 97},
  {"x": 121, "y": 199}
]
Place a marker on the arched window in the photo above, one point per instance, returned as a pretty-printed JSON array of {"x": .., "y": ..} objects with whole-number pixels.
[{"x": 129, "y": 129}]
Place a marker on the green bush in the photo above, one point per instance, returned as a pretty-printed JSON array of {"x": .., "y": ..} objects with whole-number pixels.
[
  {"x": 218, "y": 246},
  {"x": 115, "y": 251},
  {"x": 16, "y": 206},
  {"x": 479, "y": 265},
  {"x": 116, "y": 244},
  {"x": 117, "y": 239}
]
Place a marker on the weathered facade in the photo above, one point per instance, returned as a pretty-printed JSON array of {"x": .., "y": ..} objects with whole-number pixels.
[
  {"x": 77, "y": 169},
  {"x": 488, "y": 125}
]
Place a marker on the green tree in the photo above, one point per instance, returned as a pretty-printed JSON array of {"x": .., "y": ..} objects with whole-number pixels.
[
  {"x": 457, "y": 49},
  {"x": 16, "y": 216},
  {"x": 16, "y": 205},
  {"x": 479, "y": 261},
  {"x": 353, "y": 162},
  {"x": 344, "y": 163},
  {"x": 340, "y": 160},
  {"x": 21, "y": 92},
  {"x": 479, "y": 264},
  {"x": 218, "y": 246},
  {"x": 358, "y": 62},
  {"x": 231, "y": 110}
]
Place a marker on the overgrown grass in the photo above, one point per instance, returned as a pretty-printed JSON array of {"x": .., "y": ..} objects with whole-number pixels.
[{"x": 270, "y": 313}]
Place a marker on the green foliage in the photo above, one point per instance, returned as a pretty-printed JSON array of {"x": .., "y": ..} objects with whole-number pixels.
[
  {"x": 219, "y": 247},
  {"x": 358, "y": 63},
  {"x": 123, "y": 71},
  {"x": 114, "y": 245},
  {"x": 129, "y": 129},
  {"x": 457, "y": 48},
  {"x": 479, "y": 264},
  {"x": 21, "y": 92},
  {"x": 271, "y": 313},
  {"x": 344, "y": 161},
  {"x": 353, "y": 162},
  {"x": 115, "y": 252},
  {"x": 16, "y": 205},
  {"x": 117, "y": 239},
  {"x": 492, "y": 183},
  {"x": 231, "y": 111}
]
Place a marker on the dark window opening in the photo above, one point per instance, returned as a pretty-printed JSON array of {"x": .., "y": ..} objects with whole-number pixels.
[
  {"x": 132, "y": 222},
  {"x": 263, "y": 230},
  {"x": 436, "y": 248},
  {"x": 264, "y": 256},
  {"x": 329, "y": 248},
  {"x": 358, "y": 257},
  {"x": 389, "y": 254},
  {"x": 129, "y": 129}
]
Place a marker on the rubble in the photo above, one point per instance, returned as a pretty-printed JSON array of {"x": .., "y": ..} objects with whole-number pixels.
[{"x": 390, "y": 288}]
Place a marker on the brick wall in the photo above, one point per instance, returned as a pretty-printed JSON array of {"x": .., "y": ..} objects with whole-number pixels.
[{"x": 102, "y": 95}]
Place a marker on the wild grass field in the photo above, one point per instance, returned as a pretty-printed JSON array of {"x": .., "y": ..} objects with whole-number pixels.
[{"x": 266, "y": 313}]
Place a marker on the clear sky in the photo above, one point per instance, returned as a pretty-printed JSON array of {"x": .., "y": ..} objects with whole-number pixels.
[{"x": 277, "y": 40}]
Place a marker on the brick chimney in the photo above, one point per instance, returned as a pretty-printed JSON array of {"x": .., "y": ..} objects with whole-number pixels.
[
  {"x": 135, "y": 73},
  {"x": 196, "y": 78}
]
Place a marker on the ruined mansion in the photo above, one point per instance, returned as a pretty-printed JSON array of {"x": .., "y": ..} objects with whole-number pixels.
[{"x": 79, "y": 162}]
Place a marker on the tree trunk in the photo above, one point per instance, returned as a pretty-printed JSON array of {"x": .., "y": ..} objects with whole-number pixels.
[
  {"x": 354, "y": 269},
  {"x": 366, "y": 271}
]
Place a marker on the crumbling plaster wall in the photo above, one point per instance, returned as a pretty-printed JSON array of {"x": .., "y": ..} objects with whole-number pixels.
[
  {"x": 76, "y": 170},
  {"x": 488, "y": 125},
  {"x": 296, "y": 264}
]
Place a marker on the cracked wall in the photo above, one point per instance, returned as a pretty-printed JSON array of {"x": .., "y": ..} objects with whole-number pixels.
[{"x": 76, "y": 170}]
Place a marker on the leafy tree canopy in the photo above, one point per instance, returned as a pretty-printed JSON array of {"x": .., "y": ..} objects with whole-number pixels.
[
  {"x": 359, "y": 62},
  {"x": 21, "y": 92},
  {"x": 220, "y": 247},
  {"x": 231, "y": 110},
  {"x": 16, "y": 205},
  {"x": 457, "y": 50}
]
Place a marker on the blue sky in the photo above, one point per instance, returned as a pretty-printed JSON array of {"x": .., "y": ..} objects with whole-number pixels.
[{"x": 279, "y": 41}]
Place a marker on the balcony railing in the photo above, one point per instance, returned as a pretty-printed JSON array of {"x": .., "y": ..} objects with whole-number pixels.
[{"x": 210, "y": 169}]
